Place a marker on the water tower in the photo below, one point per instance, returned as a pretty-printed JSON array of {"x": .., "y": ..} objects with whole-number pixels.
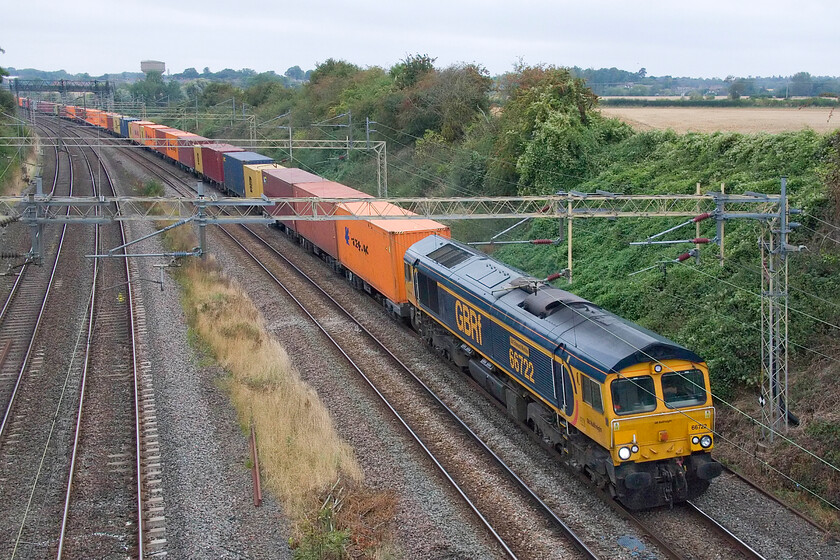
[{"x": 147, "y": 66}]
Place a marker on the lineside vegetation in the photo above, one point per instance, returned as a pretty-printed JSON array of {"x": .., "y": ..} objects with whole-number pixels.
[{"x": 304, "y": 462}]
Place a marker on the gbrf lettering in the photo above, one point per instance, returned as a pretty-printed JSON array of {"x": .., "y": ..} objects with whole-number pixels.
[{"x": 468, "y": 321}]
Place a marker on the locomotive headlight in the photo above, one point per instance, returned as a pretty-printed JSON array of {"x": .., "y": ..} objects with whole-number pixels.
[
  {"x": 695, "y": 440},
  {"x": 706, "y": 441},
  {"x": 624, "y": 453}
]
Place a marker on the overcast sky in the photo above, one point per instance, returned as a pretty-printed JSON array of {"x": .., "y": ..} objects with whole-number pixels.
[{"x": 712, "y": 38}]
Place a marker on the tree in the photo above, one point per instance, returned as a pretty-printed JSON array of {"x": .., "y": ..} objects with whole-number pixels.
[
  {"x": 544, "y": 102},
  {"x": 411, "y": 70},
  {"x": 801, "y": 84},
  {"x": 190, "y": 73},
  {"x": 295, "y": 73},
  {"x": 740, "y": 87},
  {"x": 153, "y": 89},
  {"x": 3, "y": 71},
  {"x": 332, "y": 69}
]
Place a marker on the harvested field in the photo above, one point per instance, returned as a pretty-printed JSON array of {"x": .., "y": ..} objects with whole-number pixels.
[{"x": 729, "y": 119}]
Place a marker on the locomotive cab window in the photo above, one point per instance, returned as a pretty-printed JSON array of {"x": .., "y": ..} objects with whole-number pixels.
[
  {"x": 633, "y": 395},
  {"x": 592, "y": 393},
  {"x": 683, "y": 388}
]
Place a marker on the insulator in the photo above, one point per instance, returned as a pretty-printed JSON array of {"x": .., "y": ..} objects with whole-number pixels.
[
  {"x": 4, "y": 255},
  {"x": 700, "y": 240},
  {"x": 701, "y": 217},
  {"x": 545, "y": 208},
  {"x": 554, "y": 276},
  {"x": 542, "y": 241},
  {"x": 684, "y": 257}
]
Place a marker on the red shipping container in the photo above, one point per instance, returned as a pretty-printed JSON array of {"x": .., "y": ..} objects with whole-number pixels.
[
  {"x": 277, "y": 183},
  {"x": 213, "y": 160},
  {"x": 186, "y": 153},
  {"x": 321, "y": 233}
]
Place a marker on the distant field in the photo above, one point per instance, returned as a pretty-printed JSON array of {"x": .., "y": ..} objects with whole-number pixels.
[{"x": 730, "y": 119}]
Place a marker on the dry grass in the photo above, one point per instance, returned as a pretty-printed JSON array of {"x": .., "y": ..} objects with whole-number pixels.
[
  {"x": 727, "y": 119},
  {"x": 17, "y": 175},
  {"x": 300, "y": 451},
  {"x": 301, "y": 455}
]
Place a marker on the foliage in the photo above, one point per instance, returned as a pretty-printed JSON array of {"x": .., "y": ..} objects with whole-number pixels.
[
  {"x": 711, "y": 309},
  {"x": 152, "y": 188},
  {"x": 411, "y": 70},
  {"x": 540, "y": 101},
  {"x": 295, "y": 73},
  {"x": 322, "y": 539},
  {"x": 155, "y": 89}
]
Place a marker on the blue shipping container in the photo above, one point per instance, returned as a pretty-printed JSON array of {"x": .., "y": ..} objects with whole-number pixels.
[
  {"x": 124, "y": 125},
  {"x": 234, "y": 171}
]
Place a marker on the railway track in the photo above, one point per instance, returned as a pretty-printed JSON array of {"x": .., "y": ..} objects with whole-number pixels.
[
  {"x": 77, "y": 407},
  {"x": 25, "y": 288},
  {"x": 111, "y": 410},
  {"x": 35, "y": 428}
]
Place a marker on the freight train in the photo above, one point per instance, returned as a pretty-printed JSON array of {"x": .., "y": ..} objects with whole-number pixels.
[{"x": 631, "y": 409}]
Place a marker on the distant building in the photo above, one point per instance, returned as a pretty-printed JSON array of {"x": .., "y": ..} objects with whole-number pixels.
[{"x": 147, "y": 66}]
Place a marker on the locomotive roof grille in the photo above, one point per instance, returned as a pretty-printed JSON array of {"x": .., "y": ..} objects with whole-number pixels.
[{"x": 449, "y": 255}]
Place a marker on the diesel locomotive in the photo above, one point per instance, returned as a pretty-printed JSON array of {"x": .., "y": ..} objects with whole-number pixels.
[{"x": 630, "y": 408}]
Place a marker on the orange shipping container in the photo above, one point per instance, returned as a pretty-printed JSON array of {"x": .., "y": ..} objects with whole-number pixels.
[
  {"x": 149, "y": 134},
  {"x": 172, "y": 138},
  {"x": 374, "y": 249},
  {"x": 92, "y": 116},
  {"x": 167, "y": 136}
]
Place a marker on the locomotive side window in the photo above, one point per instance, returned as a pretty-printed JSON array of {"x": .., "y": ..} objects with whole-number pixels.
[
  {"x": 633, "y": 395},
  {"x": 592, "y": 393},
  {"x": 683, "y": 388},
  {"x": 428, "y": 292}
]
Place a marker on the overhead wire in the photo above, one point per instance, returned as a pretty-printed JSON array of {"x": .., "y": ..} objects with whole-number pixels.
[{"x": 829, "y": 224}]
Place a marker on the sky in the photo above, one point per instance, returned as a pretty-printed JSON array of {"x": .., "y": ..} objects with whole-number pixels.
[{"x": 711, "y": 38}]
